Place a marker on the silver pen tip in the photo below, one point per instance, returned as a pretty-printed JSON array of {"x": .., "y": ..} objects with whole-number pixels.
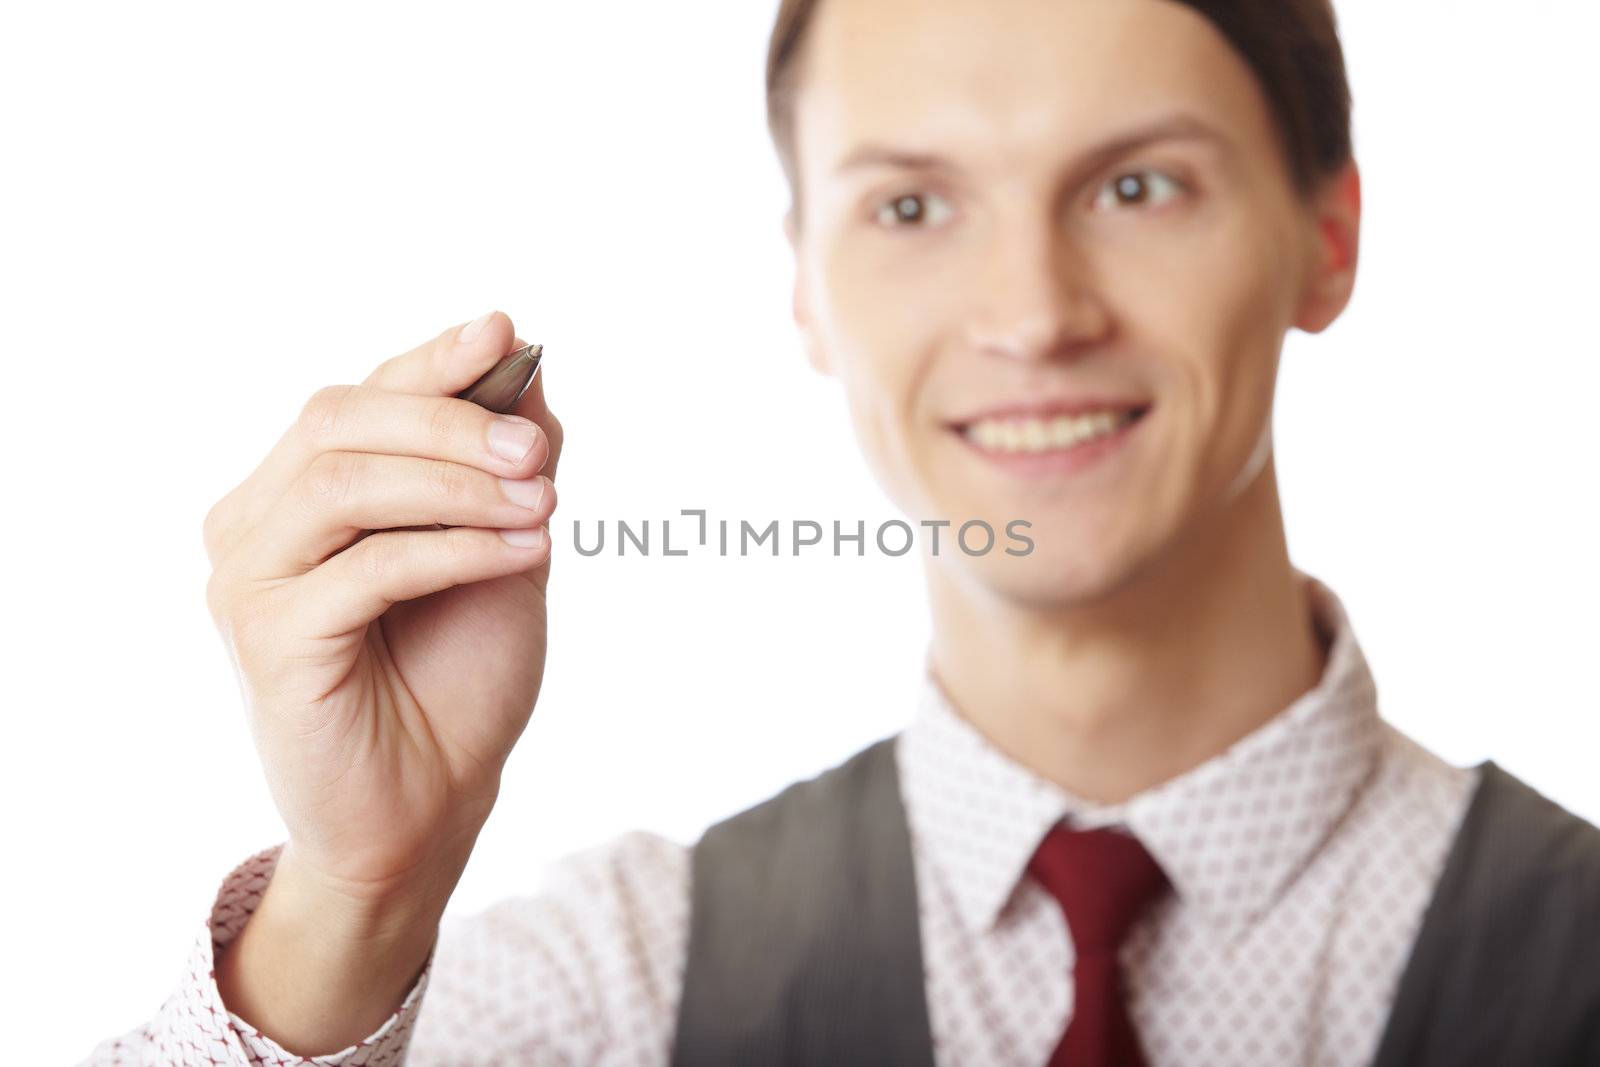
[{"x": 502, "y": 386}]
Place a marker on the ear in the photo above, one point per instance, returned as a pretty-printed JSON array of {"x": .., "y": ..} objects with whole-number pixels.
[
  {"x": 1331, "y": 269},
  {"x": 815, "y": 354}
]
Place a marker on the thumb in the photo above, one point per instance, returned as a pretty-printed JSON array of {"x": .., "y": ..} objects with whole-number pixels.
[{"x": 533, "y": 406}]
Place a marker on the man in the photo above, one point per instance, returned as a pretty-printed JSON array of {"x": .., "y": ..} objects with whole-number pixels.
[{"x": 1147, "y": 811}]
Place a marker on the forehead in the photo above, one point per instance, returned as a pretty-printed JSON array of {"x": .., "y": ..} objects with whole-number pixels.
[{"x": 1006, "y": 77}]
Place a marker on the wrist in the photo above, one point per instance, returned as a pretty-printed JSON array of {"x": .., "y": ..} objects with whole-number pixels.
[
  {"x": 362, "y": 919},
  {"x": 365, "y": 914},
  {"x": 320, "y": 965}
]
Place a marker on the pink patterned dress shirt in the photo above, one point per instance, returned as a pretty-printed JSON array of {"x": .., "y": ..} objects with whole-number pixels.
[{"x": 1302, "y": 858}]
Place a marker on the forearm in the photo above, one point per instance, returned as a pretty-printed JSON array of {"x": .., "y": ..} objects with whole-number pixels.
[
  {"x": 318, "y": 970},
  {"x": 587, "y": 969}
]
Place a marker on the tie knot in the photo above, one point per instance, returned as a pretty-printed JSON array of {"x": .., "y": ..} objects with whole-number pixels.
[{"x": 1103, "y": 878}]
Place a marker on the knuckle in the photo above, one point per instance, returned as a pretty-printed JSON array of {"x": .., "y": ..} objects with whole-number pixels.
[
  {"x": 375, "y": 558},
  {"x": 328, "y": 481},
  {"x": 219, "y": 600},
  {"x": 454, "y": 547},
  {"x": 322, "y": 416},
  {"x": 213, "y": 528},
  {"x": 448, "y": 482},
  {"x": 249, "y": 631},
  {"x": 445, "y": 420},
  {"x": 241, "y": 621}
]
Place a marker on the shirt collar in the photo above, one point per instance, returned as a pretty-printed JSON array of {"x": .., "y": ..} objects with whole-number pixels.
[{"x": 1230, "y": 833}]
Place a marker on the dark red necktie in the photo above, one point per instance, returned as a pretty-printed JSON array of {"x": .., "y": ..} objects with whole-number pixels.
[{"x": 1104, "y": 880}]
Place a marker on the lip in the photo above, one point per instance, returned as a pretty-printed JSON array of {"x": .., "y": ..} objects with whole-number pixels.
[
  {"x": 1058, "y": 462},
  {"x": 1048, "y": 408}
]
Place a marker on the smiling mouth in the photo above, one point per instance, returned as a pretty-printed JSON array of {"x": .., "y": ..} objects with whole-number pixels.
[{"x": 1033, "y": 435}]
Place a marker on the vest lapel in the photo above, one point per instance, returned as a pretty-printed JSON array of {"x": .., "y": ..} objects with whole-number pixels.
[
  {"x": 1504, "y": 967},
  {"x": 804, "y": 941}
]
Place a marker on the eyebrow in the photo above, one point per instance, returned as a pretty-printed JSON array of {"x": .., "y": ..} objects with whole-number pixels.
[{"x": 1183, "y": 125}]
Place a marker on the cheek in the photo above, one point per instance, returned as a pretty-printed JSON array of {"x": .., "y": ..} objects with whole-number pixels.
[
  {"x": 874, "y": 300},
  {"x": 1254, "y": 311},
  {"x": 1214, "y": 306},
  {"x": 878, "y": 327}
]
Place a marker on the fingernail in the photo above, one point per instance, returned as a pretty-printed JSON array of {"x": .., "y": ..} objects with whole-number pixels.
[
  {"x": 523, "y": 492},
  {"x": 512, "y": 436},
  {"x": 533, "y": 538},
  {"x": 471, "y": 330}
]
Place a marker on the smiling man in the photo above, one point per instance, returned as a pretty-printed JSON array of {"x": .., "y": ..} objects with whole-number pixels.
[
  {"x": 1146, "y": 809},
  {"x": 1052, "y": 251}
]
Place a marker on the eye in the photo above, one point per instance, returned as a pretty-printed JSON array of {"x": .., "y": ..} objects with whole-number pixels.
[
  {"x": 1135, "y": 187},
  {"x": 913, "y": 209}
]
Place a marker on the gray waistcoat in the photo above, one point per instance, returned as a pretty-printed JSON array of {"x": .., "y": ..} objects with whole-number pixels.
[{"x": 805, "y": 946}]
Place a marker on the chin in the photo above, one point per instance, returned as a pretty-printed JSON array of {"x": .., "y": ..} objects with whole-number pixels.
[{"x": 1047, "y": 577}]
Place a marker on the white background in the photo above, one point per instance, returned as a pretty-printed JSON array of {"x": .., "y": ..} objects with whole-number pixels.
[{"x": 212, "y": 210}]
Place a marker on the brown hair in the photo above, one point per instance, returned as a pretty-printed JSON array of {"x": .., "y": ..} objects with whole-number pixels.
[{"x": 1291, "y": 45}]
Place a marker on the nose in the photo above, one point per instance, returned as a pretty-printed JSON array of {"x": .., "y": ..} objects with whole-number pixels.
[{"x": 1033, "y": 297}]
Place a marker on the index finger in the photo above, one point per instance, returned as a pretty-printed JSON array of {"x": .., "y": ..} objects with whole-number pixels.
[
  {"x": 442, "y": 366},
  {"x": 449, "y": 362}
]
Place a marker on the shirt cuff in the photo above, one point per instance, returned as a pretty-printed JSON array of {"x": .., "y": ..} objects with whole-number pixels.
[{"x": 206, "y": 1032}]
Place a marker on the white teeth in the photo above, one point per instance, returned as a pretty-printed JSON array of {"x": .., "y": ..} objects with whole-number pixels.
[{"x": 1042, "y": 435}]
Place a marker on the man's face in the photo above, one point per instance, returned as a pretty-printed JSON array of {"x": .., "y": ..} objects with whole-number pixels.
[{"x": 1022, "y": 270}]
